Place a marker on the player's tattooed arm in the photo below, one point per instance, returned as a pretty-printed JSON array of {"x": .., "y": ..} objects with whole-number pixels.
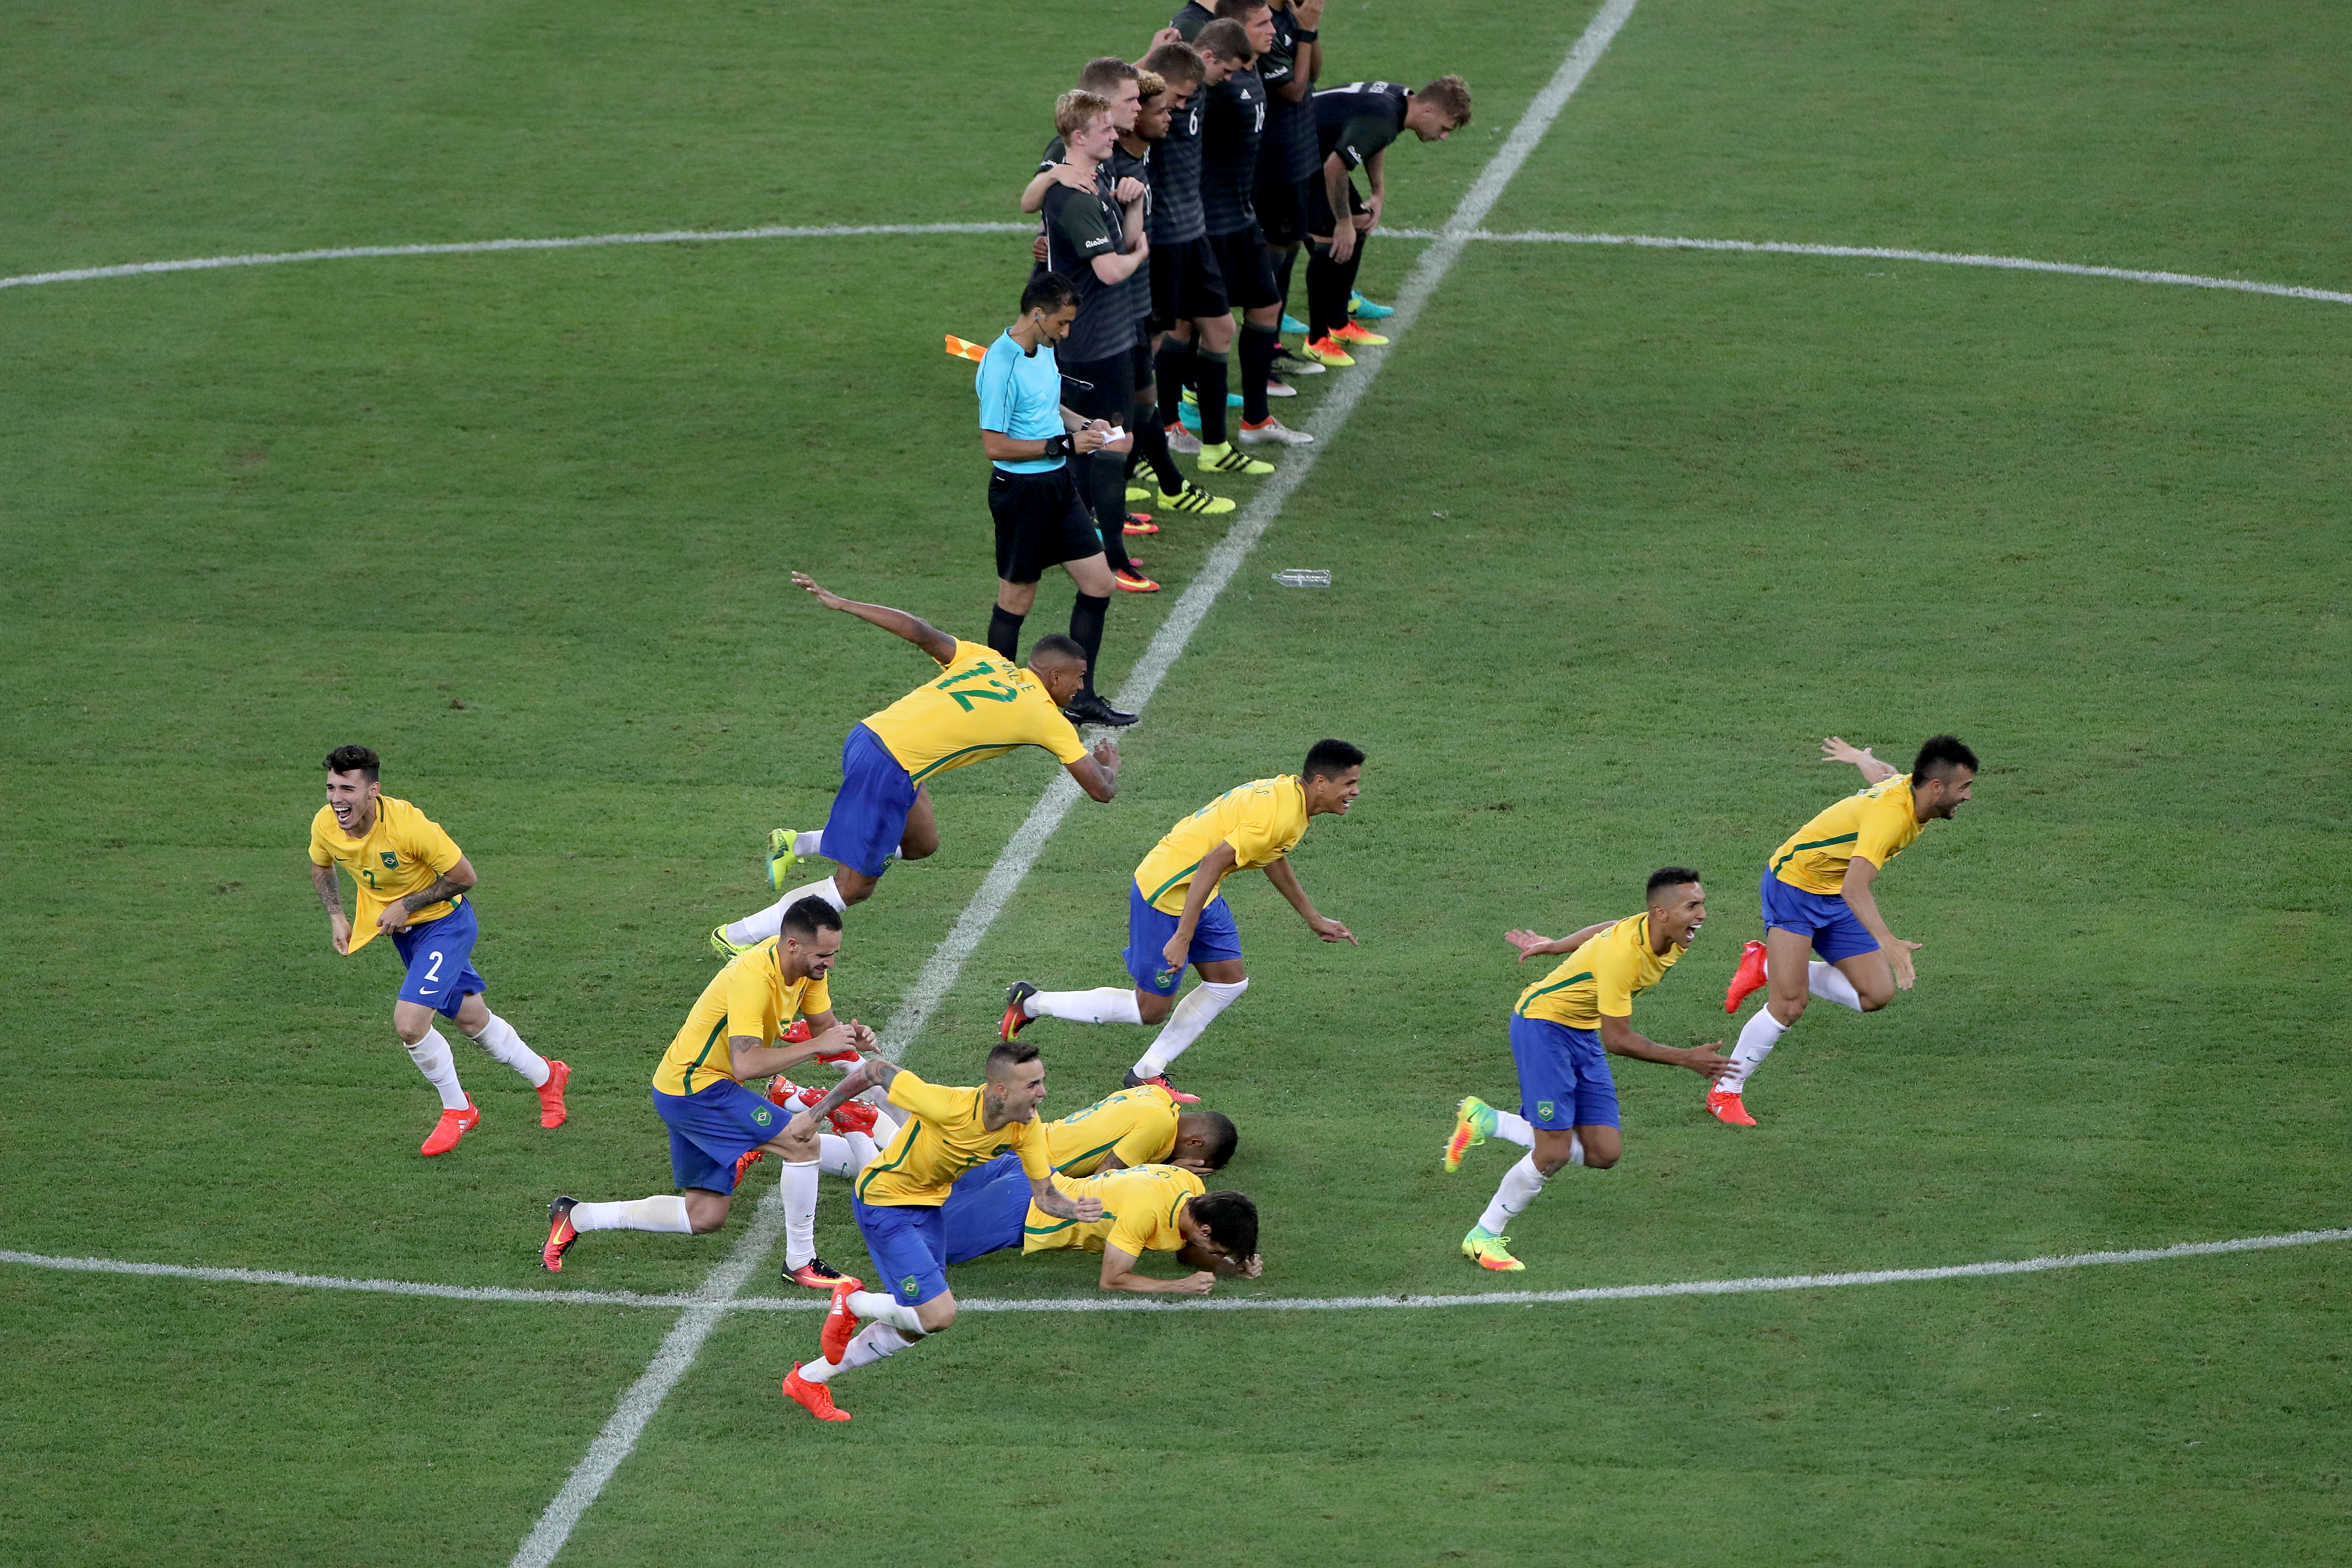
[
  {"x": 898, "y": 623},
  {"x": 869, "y": 1073},
  {"x": 456, "y": 879},
  {"x": 1834, "y": 750},
  {"x": 1059, "y": 1203},
  {"x": 338, "y": 929}
]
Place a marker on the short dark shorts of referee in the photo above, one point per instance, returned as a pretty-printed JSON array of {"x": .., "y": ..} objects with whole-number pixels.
[
  {"x": 1186, "y": 284},
  {"x": 1041, "y": 521},
  {"x": 1249, "y": 275},
  {"x": 1318, "y": 207},
  {"x": 1282, "y": 208}
]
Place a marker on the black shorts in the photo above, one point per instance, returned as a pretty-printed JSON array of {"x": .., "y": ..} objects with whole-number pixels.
[
  {"x": 1097, "y": 389},
  {"x": 1281, "y": 206},
  {"x": 1186, "y": 285},
  {"x": 1318, "y": 207},
  {"x": 1041, "y": 521},
  {"x": 1249, "y": 275}
]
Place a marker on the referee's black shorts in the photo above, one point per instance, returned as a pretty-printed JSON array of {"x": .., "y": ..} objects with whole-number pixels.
[
  {"x": 1041, "y": 521},
  {"x": 1186, "y": 284},
  {"x": 1282, "y": 209},
  {"x": 1318, "y": 207},
  {"x": 1249, "y": 275}
]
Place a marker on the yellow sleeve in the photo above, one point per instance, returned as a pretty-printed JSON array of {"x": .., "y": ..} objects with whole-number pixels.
[
  {"x": 747, "y": 1002},
  {"x": 928, "y": 1100},
  {"x": 1151, "y": 1140},
  {"x": 1058, "y": 735},
  {"x": 424, "y": 840},
  {"x": 1135, "y": 1230},
  {"x": 969, "y": 651},
  {"x": 1256, "y": 838},
  {"x": 319, "y": 856},
  {"x": 816, "y": 997},
  {"x": 1884, "y": 831},
  {"x": 1035, "y": 1159},
  {"x": 1612, "y": 980}
]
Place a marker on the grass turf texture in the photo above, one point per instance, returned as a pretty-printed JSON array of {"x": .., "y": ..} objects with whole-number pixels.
[{"x": 1616, "y": 538}]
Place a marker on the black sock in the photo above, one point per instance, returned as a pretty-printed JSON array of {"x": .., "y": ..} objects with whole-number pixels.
[
  {"x": 1172, "y": 367},
  {"x": 1326, "y": 294},
  {"x": 1284, "y": 260},
  {"x": 1004, "y": 633},
  {"x": 1107, "y": 474},
  {"x": 1087, "y": 628},
  {"x": 1209, "y": 378},
  {"x": 1348, "y": 282},
  {"x": 1258, "y": 344},
  {"x": 1151, "y": 447}
]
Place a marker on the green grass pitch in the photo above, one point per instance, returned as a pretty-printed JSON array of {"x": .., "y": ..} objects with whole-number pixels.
[{"x": 1616, "y": 537}]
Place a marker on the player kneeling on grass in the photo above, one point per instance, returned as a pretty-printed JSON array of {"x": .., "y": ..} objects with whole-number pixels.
[
  {"x": 1563, "y": 1029},
  {"x": 411, "y": 883},
  {"x": 734, "y": 1032},
  {"x": 901, "y": 1196},
  {"x": 1146, "y": 1208}
]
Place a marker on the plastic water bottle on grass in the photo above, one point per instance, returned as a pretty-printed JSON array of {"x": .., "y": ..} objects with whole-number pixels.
[{"x": 1304, "y": 577}]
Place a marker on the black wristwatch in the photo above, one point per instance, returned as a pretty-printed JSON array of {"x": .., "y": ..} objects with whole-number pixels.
[{"x": 1059, "y": 446}]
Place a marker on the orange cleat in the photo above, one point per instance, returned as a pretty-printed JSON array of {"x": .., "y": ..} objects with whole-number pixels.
[
  {"x": 453, "y": 1125},
  {"x": 819, "y": 1275},
  {"x": 1357, "y": 336},
  {"x": 1134, "y": 582},
  {"x": 559, "y": 1234},
  {"x": 744, "y": 1161},
  {"x": 1138, "y": 524},
  {"x": 1159, "y": 1081},
  {"x": 1016, "y": 1013},
  {"x": 1726, "y": 1109},
  {"x": 1746, "y": 979},
  {"x": 813, "y": 1397},
  {"x": 550, "y": 1095},
  {"x": 1323, "y": 350},
  {"x": 840, "y": 1322}
]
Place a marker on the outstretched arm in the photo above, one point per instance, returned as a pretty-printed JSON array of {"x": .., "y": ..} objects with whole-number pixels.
[
  {"x": 1285, "y": 882},
  {"x": 1059, "y": 1203},
  {"x": 1873, "y": 771},
  {"x": 898, "y": 623},
  {"x": 1533, "y": 945},
  {"x": 1097, "y": 771},
  {"x": 869, "y": 1073},
  {"x": 1618, "y": 1036}
]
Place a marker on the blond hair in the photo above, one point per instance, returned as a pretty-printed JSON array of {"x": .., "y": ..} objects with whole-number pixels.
[
  {"x": 1148, "y": 84},
  {"x": 1076, "y": 109},
  {"x": 1452, "y": 94}
]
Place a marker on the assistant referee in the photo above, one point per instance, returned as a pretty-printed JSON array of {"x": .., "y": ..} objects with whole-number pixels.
[{"x": 1042, "y": 520}]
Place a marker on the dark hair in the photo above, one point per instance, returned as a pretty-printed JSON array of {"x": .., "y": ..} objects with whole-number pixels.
[
  {"x": 1669, "y": 877},
  {"x": 1048, "y": 291},
  {"x": 1102, "y": 75},
  {"x": 1222, "y": 1141},
  {"x": 1238, "y": 10},
  {"x": 1173, "y": 61},
  {"x": 1060, "y": 647},
  {"x": 1226, "y": 39},
  {"x": 1939, "y": 757},
  {"x": 1232, "y": 1219},
  {"x": 1011, "y": 1054},
  {"x": 1330, "y": 759},
  {"x": 809, "y": 916},
  {"x": 355, "y": 759}
]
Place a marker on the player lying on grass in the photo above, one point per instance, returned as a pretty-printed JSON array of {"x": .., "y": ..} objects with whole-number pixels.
[
  {"x": 410, "y": 881},
  {"x": 1818, "y": 898},
  {"x": 1564, "y": 1028},
  {"x": 1176, "y": 916},
  {"x": 1146, "y": 1208},
  {"x": 901, "y": 1197},
  {"x": 733, "y": 1032},
  {"x": 983, "y": 705}
]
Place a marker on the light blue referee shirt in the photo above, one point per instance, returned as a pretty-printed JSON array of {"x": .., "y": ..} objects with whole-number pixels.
[{"x": 1021, "y": 396}]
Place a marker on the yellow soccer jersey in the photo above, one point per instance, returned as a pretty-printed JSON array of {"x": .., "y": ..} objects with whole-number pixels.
[
  {"x": 1139, "y": 1209},
  {"x": 403, "y": 853},
  {"x": 944, "y": 1135},
  {"x": 1878, "y": 825},
  {"x": 983, "y": 705},
  {"x": 1599, "y": 979},
  {"x": 1263, "y": 820},
  {"x": 1138, "y": 1125},
  {"x": 750, "y": 997}
]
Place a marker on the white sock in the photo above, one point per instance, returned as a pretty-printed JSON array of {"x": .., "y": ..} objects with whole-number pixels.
[
  {"x": 1193, "y": 1015},
  {"x": 1513, "y": 1128},
  {"x": 1830, "y": 983},
  {"x": 432, "y": 1057},
  {"x": 666, "y": 1213},
  {"x": 844, "y": 1154},
  {"x": 1756, "y": 1038},
  {"x": 874, "y": 1341},
  {"x": 499, "y": 1039},
  {"x": 770, "y": 920},
  {"x": 1520, "y": 1185},
  {"x": 877, "y": 1308},
  {"x": 1105, "y": 1004},
  {"x": 885, "y": 1126},
  {"x": 799, "y": 1188},
  {"x": 808, "y": 843}
]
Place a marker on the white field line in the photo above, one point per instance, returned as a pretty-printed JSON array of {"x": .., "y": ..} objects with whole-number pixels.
[{"x": 1753, "y": 1286}]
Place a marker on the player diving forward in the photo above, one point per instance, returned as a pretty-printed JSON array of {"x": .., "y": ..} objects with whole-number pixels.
[
  {"x": 1176, "y": 916},
  {"x": 1563, "y": 1029},
  {"x": 901, "y": 1197},
  {"x": 983, "y": 705},
  {"x": 1818, "y": 897},
  {"x": 411, "y": 880},
  {"x": 733, "y": 1033},
  {"x": 1146, "y": 1208}
]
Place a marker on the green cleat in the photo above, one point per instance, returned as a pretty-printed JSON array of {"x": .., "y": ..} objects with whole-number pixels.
[
  {"x": 725, "y": 949},
  {"x": 779, "y": 857},
  {"x": 1486, "y": 1249},
  {"x": 1474, "y": 1123}
]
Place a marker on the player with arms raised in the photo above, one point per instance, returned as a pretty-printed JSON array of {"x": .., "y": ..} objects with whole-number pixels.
[
  {"x": 1818, "y": 897},
  {"x": 411, "y": 882}
]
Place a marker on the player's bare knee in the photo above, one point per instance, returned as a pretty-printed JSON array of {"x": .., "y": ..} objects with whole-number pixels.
[
  {"x": 1154, "y": 1009},
  {"x": 937, "y": 1315},
  {"x": 1787, "y": 1009},
  {"x": 1596, "y": 1161},
  {"x": 1872, "y": 1002}
]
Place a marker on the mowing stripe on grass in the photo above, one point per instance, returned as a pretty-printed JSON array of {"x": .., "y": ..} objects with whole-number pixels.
[{"x": 1752, "y": 1286}]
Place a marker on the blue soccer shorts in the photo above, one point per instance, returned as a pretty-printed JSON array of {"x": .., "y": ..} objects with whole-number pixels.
[
  {"x": 1148, "y": 930},
  {"x": 440, "y": 958},
  {"x": 1563, "y": 1075},
  {"x": 908, "y": 1245},
  {"x": 1826, "y": 918},
  {"x": 869, "y": 812},
  {"x": 713, "y": 1127},
  {"x": 986, "y": 1210}
]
